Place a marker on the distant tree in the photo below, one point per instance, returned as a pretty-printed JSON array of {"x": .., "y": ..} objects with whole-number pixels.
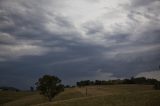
[
  {"x": 78, "y": 84},
  {"x": 141, "y": 80},
  {"x": 49, "y": 86},
  {"x": 132, "y": 80},
  {"x": 157, "y": 86},
  {"x": 85, "y": 83},
  {"x": 67, "y": 86},
  {"x": 73, "y": 86},
  {"x": 5, "y": 88},
  {"x": 98, "y": 82},
  {"x": 31, "y": 89}
]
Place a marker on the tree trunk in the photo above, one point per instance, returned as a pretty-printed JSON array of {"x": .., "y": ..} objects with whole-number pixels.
[{"x": 50, "y": 99}]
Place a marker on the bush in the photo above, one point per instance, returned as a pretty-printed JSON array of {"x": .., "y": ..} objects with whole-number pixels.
[{"x": 157, "y": 86}]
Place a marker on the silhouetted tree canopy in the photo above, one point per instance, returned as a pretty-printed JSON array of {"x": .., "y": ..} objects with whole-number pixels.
[
  {"x": 5, "y": 88},
  {"x": 157, "y": 86},
  {"x": 132, "y": 80},
  {"x": 49, "y": 86},
  {"x": 31, "y": 89}
]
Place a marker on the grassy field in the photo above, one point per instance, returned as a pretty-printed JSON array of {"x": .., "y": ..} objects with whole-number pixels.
[
  {"x": 110, "y": 95},
  {"x": 7, "y": 96}
]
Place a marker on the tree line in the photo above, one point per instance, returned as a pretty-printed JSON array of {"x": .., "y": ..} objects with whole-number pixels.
[
  {"x": 132, "y": 80},
  {"x": 50, "y": 85}
]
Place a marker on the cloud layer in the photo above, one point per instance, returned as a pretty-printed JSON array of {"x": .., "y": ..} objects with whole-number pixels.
[{"x": 73, "y": 39}]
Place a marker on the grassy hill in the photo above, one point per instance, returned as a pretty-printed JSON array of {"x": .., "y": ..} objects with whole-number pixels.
[
  {"x": 109, "y": 95},
  {"x": 7, "y": 96}
]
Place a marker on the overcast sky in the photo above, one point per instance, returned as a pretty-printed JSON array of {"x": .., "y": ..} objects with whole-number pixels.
[{"x": 78, "y": 39}]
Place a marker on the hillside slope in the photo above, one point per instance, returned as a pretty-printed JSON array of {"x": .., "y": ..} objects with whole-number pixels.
[
  {"x": 136, "y": 99},
  {"x": 110, "y": 95}
]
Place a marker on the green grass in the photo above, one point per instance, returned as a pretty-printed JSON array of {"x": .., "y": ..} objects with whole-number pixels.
[{"x": 110, "y": 95}]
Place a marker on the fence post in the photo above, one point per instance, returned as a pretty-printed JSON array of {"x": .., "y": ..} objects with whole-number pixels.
[{"x": 86, "y": 91}]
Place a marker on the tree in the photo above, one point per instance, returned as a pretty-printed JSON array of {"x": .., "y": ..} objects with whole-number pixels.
[
  {"x": 31, "y": 89},
  {"x": 157, "y": 86},
  {"x": 49, "y": 86}
]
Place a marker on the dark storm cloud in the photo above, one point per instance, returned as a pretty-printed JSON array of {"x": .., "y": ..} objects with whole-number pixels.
[
  {"x": 42, "y": 37},
  {"x": 138, "y": 3},
  {"x": 25, "y": 24},
  {"x": 93, "y": 28},
  {"x": 97, "y": 29},
  {"x": 29, "y": 19}
]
